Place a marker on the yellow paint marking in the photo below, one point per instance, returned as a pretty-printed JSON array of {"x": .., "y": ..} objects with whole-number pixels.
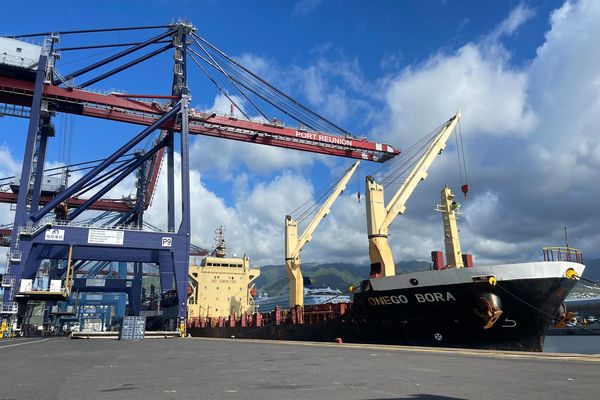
[
  {"x": 434, "y": 350},
  {"x": 23, "y": 343}
]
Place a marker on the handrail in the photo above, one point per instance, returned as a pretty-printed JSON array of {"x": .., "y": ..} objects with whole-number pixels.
[{"x": 563, "y": 254}]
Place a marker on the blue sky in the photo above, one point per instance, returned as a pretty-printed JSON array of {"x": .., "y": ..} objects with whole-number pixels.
[{"x": 389, "y": 70}]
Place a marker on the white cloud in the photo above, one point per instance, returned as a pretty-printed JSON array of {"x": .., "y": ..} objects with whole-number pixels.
[
  {"x": 517, "y": 17},
  {"x": 491, "y": 95},
  {"x": 224, "y": 157},
  {"x": 533, "y": 128},
  {"x": 305, "y": 7},
  {"x": 253, "y": 226}
]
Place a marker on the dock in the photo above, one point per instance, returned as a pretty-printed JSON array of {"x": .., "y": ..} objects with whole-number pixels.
[{"x": 201, "y": 368}]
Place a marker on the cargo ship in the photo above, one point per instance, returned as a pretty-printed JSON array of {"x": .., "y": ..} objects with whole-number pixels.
[
  {"x": 506, "y": 307},
  {"x": 501, "y": 307},
  {"x": 455, "y": 304}
]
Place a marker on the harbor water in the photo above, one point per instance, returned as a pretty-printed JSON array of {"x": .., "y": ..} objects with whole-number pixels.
[{"x": 578, "y": 344}]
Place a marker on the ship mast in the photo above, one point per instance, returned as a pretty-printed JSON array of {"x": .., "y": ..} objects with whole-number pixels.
[
  {"x": 220, "y": 246},
  {"x": 379, "y": 216},
  {"x": 294, "y": 244}
]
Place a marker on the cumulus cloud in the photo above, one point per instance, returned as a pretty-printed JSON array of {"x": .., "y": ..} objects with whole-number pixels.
[
  {"x": 531, "y": 131},
  {"x": 254, "y": 224},
  {"x": 491, "y": 95}
]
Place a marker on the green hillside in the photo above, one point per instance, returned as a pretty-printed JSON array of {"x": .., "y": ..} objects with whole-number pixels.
[{"x": 273, "y": 278}]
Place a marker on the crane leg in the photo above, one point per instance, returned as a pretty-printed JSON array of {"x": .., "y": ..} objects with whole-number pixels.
[
  {"x": 296, "y": 284},
  {"x": 382, "y": 262}
]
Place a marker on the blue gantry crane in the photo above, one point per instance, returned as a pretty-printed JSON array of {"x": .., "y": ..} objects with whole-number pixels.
[{"x": 50, "y": 227}]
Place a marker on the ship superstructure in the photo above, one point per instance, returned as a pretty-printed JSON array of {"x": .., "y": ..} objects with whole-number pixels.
[{"x": 221, "y": 286}]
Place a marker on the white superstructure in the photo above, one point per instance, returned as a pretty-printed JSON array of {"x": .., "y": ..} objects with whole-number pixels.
[{"x": 19, "y": 54}]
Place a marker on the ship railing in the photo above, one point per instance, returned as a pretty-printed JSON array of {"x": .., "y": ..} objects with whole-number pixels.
[{"x": 563, "y": 254}]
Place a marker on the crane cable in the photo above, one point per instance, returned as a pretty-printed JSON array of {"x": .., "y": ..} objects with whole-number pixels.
[
  {"x": 460, "y": 151},
  {"x": 277, "y": 102},
  {"x": 396, "y": 171},
  {"x": 310, "y": 207},
  {"x": 240, "y": 77},
  {"x": 232, "y": 62}
]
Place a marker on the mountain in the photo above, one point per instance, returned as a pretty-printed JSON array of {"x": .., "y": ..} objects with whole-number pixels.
[
  {"x": 591, "y": 273},
  {"x": 273, "y": 278},
  {"x": 592, "y": 270}
]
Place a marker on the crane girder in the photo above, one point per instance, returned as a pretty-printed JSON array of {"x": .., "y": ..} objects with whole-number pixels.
[{"x": 118, "y": 107}]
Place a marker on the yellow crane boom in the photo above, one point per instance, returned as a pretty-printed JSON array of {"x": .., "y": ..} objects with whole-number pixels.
[
  {"x": 294, "y": 244},
  {"x": 379, "y": 216}
]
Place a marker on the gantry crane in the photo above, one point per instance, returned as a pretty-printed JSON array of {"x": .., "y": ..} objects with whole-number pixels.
[
  {"x": 294, "y": 244},
  {"x": 379, "y": 216},
  {"x": 38, "y": 91}
]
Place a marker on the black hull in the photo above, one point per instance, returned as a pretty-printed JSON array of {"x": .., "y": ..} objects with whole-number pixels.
[{"x": 441, "y": 316}]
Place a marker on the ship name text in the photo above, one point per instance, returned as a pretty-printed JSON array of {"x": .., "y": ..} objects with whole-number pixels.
[
  {"x": 324, "y": 138},
  {"x": 418, "y": 297}
]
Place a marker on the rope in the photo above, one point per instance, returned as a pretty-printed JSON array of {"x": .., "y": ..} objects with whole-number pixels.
[
  {"x": 595, "y": 283},
  {"x": 539, "y": 310},
  {"x": 231, "y": 80}
]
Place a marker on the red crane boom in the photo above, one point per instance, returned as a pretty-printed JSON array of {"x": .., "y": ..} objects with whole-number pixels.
[{"x": 117, "y": 107}]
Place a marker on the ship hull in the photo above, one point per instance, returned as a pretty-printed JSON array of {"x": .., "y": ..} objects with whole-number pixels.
[{"x": 440, "y": 308}]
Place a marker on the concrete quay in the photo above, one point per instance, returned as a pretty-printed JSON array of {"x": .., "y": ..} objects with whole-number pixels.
[{"x": 199, "y": 368}]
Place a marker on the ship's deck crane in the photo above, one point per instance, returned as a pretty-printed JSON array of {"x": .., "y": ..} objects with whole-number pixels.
[
  {"x": 379, "y": 216},
  {"x": 294, "y": 244}
]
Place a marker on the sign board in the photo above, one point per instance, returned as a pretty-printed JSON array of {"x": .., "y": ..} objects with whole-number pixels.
[
  {"x": 167, "y": 241},
  {"x": 103, "y": 236},
  {"x": 55, "y": 234},
  {"x": 55, "y": 285},
  {"x": 26, "y": 285},
  {"x": 94, "y": 282}
]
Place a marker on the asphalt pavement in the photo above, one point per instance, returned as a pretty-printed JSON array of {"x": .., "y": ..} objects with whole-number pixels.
[{"x": 196, "y": 368}]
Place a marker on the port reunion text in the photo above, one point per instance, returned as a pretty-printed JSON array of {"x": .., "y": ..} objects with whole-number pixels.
[{"x": 324, "y": 138}]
